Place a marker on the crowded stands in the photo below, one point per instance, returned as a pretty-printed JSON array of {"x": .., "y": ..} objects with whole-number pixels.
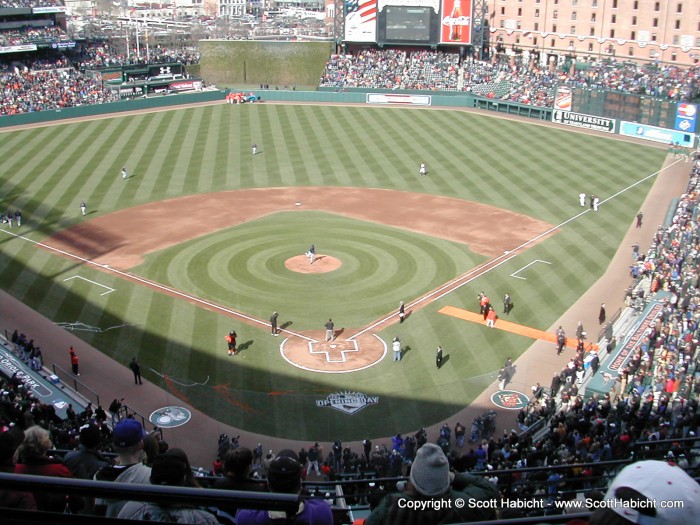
[{"x": 517, "y": 79}]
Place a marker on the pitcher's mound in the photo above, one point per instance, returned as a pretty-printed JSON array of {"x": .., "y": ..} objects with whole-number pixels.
[{"x": 322, "y": 264}]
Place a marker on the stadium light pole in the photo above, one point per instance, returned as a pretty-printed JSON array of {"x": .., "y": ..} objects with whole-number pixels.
[
  {"x": 338, "y": 23},
  {"x": 480, "y": 15}
]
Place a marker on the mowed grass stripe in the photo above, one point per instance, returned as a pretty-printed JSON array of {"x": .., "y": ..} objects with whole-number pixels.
[
  {"x": 299, "y": 163},
  {"x": 308, "y": 141},
  {"x": 348, "y": 160},
  {"x": 149, "y": 179}
]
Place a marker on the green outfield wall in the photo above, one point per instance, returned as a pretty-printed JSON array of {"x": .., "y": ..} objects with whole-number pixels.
[
  {"x": 152, "y": 102},
  {"x": 442, "y": 99}
]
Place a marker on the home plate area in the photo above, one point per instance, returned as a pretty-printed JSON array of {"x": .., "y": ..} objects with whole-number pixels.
[{"x": 338, "y": 356}]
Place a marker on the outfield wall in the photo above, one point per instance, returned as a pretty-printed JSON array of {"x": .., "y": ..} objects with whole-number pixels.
[
  {"x": 446, "y": 99},
  {"x": 139, "y": 104}
]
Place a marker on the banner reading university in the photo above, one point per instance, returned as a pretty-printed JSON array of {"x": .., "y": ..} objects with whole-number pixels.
[{"x": 456, "y": 25}]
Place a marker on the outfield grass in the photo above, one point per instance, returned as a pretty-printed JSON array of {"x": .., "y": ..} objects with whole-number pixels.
[{"x": 528, "y": 168}]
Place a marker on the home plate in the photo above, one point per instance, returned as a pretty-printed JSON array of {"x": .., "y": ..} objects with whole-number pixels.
[{"x": 297, "y": 204}]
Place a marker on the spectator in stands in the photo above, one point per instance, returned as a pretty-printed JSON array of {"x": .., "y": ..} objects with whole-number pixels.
[
  {"x": 430, "y": 478},
  {"x": 87, "y": 459},
  {"x": 284, "y": 476},
  {"x": 128, "y": 444},
  {"x": 648, "y": 483},
  {"x": 238, "y": 469},
  {"x": 12, "y": 498},
  {"x": 31, "y": 458},
  {"x": 171, "y": 469}
]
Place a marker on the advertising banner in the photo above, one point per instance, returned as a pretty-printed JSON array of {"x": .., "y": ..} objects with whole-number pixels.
[
  {"x": 686, "y": 116},
  {"x": 581, "y": 120},
  {"x": 17, "y": 49},
  {"x": 564, "y": 98},
  {"x": 361, "y": 20},
  {"x": 390, "y": 98},
  {"x": 456, "y": 24},
  {"x": 667, "y": 136}
]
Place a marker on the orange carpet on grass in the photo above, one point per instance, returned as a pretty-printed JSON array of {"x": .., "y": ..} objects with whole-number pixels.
[{"x": 513, "y": 328}]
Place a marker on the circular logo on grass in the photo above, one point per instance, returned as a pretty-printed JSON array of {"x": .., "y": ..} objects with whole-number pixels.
[
  {"x": 510, "y": 399},
  {"x": 170, "y": 417}
]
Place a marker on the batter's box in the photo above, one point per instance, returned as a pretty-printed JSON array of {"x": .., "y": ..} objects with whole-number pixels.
[{"x": 335, "y": 351}]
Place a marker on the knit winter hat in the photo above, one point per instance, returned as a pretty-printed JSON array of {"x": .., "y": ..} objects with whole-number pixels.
[{"x": 430, "y": 472}]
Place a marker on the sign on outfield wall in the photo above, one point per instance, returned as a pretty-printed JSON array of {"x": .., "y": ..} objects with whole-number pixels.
[
  {"x": 456, "y": 22},
  {"x": 581, "y": 120},
  {"x": 394, "y": 98},
  {"x": 666, "y": 136}
]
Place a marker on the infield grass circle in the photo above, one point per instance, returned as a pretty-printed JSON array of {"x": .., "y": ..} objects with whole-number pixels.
[{"x": 243, "y": 267}]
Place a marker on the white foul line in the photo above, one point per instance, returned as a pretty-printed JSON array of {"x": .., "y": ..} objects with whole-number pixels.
[
  {"x": 157, "y": 286},
  {"x": 92, "y": 282},
  {"x": 469, "y": 277},
  {"x": 529, "y": 264}
]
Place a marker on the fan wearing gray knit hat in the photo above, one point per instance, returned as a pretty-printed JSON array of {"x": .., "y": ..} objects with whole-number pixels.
[
  {"x": 430, "y": 472},
  {"x": 431, "y": 479}
]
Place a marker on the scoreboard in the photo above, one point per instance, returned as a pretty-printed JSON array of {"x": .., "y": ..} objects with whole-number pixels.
[
  {"x": 623, "y": 106},
  {"x": 427, "y": 22},
  {"x": 406, "y": 24}
]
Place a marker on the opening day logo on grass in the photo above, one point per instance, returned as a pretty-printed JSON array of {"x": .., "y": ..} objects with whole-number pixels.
[
  {"x": 170, "y": 417},
  {"x": 510, "y": 399},
  {"x": 348, "y": 402}
]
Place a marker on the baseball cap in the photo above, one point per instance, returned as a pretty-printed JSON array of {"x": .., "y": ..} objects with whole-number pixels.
[
  {"x": 284, "y": 473},
  {"x": 127, "y": 433},
  {"x": 90, "y": 435},
  {"x": 658, "y": 481}
]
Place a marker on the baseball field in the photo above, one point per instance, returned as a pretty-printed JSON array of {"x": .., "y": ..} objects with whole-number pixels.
[{"x": 203, "y": 237}]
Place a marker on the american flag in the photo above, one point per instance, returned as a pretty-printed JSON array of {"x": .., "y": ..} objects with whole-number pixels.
[{"x": 366, "y": 8}]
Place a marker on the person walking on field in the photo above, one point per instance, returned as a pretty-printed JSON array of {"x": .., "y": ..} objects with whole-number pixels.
[
  {"x": 136, "y": 369},
  {"x": 506, "y": 303},
  {"x": 83, "y": 207},
  {"x": 330, "y": 335},
  {"x": 402, "y": 312},
  {"x": 231, "y": 342},
  {"x": 124, "y": 174},
  {"x": 640, "y": 216},
  {"x": 601, "y": 314},
  {"x": 74, "y": 361},
  {"x": 438, "y": 357},
  {"x": 582, "y": 199},
  {"x": 396, "y": 347},
  {"x": 273, "y": 324},
  {"x": 255, "y": 149},
  {"x": 422, "y": 170},
  {"x": 491, "y": 317}
]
